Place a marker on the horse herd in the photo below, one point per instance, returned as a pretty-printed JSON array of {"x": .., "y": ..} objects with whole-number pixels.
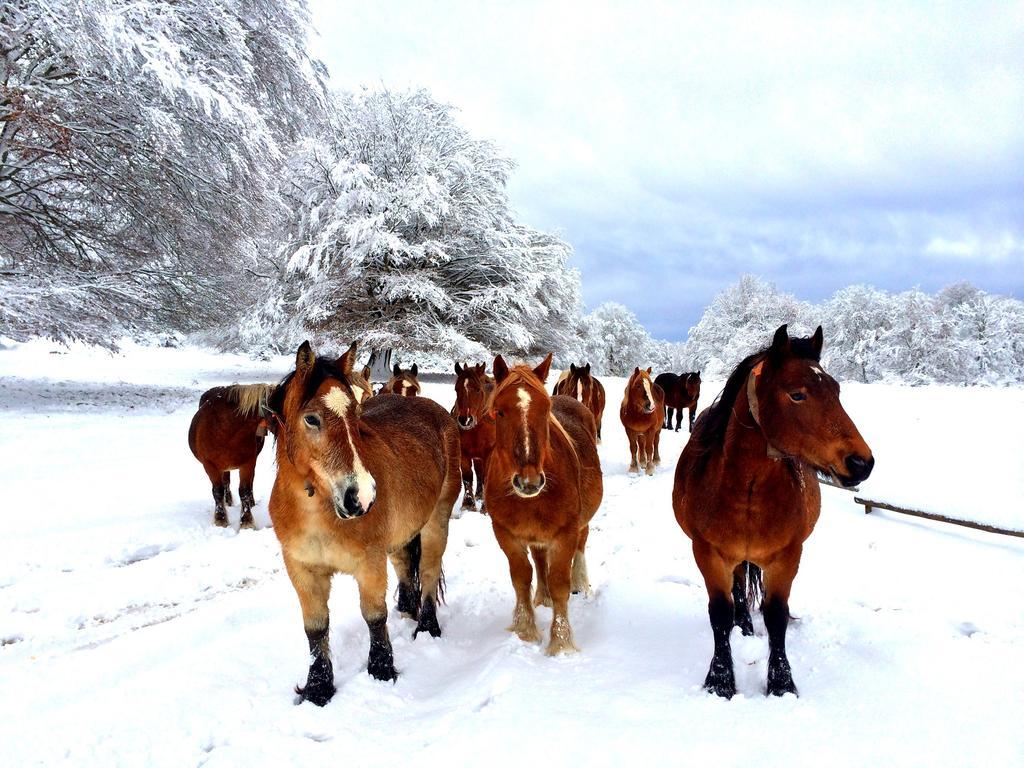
[{"x": 365, "y": 478}]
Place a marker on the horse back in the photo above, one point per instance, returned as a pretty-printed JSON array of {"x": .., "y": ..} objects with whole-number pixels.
[{"x": 218, "y": 433}]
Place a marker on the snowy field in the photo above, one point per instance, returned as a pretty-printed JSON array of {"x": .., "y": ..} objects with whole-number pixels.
[{"x": 133, "y": 632}]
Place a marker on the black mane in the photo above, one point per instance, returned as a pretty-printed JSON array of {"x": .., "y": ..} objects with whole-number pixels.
[
  {"x": 710, "y": 429},
  {"x": 323, "y": 369}
]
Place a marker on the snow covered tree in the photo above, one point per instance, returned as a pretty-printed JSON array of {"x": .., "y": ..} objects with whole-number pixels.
[
  {"x": 401, "y": 237},
  {"x": 855, "y": 320},
  {"x": 139, "y": 143},
  {"x": 615, "y": 341},
  {"x": 740, "y": 320}
]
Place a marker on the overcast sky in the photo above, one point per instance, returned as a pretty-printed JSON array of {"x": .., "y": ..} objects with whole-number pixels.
[{"x": 678, "y": 146}]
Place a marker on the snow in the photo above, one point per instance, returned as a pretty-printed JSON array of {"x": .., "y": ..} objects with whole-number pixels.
[{"x": 134, "y": 632}]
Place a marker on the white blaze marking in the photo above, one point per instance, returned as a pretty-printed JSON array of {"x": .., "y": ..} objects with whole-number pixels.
[
  {"x": 524, "y": 406},
  {"x": 579, "y": 390},
  {"x": 818, "y": 371},
  {"x": 338, "y": 402},
  {"x": 647, "y": 389}
]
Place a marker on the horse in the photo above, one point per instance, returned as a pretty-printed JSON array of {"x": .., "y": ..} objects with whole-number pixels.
[
  {"x": 543, "y": 487},
  {"x": 226, "y": 433},
  {"x": 578, "y": 383},
  {"x": 642, "y": 412},
  {"x": 473, "y": 389},
  {"x": 746, "y": 490},
  {"x": 359, "y": 483},
  {"x": 681, "y": 391},
  {"x": 402, "y": 382}
]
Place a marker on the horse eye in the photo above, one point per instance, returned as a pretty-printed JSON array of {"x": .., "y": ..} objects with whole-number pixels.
[
  {"x": 312, "y": 420},
  {"x": 797, "y": 396},
  {"x": 500, "y": 413}
]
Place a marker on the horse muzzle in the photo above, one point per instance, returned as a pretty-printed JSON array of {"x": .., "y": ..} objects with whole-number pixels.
[
  {"x": 859, "y": 468},
  {"x": 527, "y": 488},
  {"x": 352, "y": 500}
]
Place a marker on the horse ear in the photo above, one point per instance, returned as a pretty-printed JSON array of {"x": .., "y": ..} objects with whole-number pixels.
[
  {"x": 347, "y": 362},
  {"x": 650, "y": 369},
  {"x": 481, "y": 368},
  {"x": 636, "y": 370},
  {"x": 817, "y": 342},
  {"x": 500, "y": 369},
  {"x": 572, "y": 367},
  {"x": 366, "y": 372},
  {"x": 415, "y": 369},
  {"x": 458, "y": 368},
  {"x": 304, "y": 357},
  {"x": 780, "y": 342},
  {"x": 586, "y": 369},
  {"x": 397, "y": 370},
  {"x": 542, "y": 370}
]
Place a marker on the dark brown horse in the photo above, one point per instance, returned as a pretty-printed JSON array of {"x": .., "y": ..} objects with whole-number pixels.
[
  {"x": 746, "y": 490},
  {"x": 358, "y": 483},
  {"x": 641, "y": 413},
  {"x": 402, "y": 382},
  {"x": 543, "y": 487},
  {"x": 473, "y": 389},
  {"x": 579, "y": 384},
  {"x": 681, "y": 391},
  {"x": 227, "y": 433}
]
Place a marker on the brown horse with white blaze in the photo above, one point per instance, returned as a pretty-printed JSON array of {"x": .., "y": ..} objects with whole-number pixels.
[
  {"x": 359, "y": 483},
  {"x": 402, "y": 382},
  {"x": 746, "y": 490},
  {"x": 473, "y": 389},
  {"x": 579, "y": 384},
  {"x": 226, "y": 433},
  {"x": 543, "y": 487},
  {"x": 641, "y": 413}
]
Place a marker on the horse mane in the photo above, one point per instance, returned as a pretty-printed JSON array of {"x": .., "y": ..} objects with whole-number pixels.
[
  {"x": 710, "y": 429},
  {"x": 642, "y": 373},
  {"x": 323, "y": 369},
  {"x": 247, "y": 398},
  {"x": 523, "y": 373}
]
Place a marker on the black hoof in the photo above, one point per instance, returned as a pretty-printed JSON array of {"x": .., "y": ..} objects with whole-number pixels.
[
  {"x": 318, "y": 694},
  {"x": 382, "y": 669},
  {"x": 428, "y": 620},
  {"x": 780, "y": 680},
  {"x": 220, "y": 519},
  {"x": 720, "y": 680}
]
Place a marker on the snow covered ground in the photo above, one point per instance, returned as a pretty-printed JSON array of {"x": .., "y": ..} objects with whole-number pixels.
[{"x": 133, "y": 632}]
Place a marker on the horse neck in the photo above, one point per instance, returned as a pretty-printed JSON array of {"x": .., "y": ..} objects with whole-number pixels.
[{"x": 746, "y": 451}]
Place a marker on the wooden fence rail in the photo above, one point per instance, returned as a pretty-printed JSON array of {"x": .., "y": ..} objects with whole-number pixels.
[{"x": 870, "y": 504}]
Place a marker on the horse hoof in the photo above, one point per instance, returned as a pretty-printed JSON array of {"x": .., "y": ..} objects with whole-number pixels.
[
  {"x": 316, "y": 694},
  {"x": 561, "y": 648},
  {"x": 780, "y": 682},
  {"x": 247, "y": 524},
  {"x": 220, "y": 520},
  {"x": 382, "y": 671}
]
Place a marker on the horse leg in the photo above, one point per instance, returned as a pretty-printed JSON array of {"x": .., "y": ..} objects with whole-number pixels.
[
  {"x": 580, "y": 581},
  {"x": 721, "y": 679},
  {"x": 406, "y": 562},
  {"x": 313, "y": 587},
  {"x": 667, "y": 423},
  {"x": 599, "y": 419},
  {"x": 229, "y": 500},
  {"x": 656, "y": 439},
  {"x": 467, "y": 483},
  {"x": 693, "y": 414},
  {"x": 524, "y": 623},
  {"x": 246, "y": 475},
  {"x": 633, "y": 447},
  {"x": 434, "y": 539},
  {"x": 679, "y": 418},
  {"x": 540, "y": 559},
  {"x": 778, "y": 580},
  {"x": 372, "y": 578},
  {"x": 741, "y": 615},
  {"x": 220, "y": 513},
  {"x": 480, "y": 470},
  {"x": 559, "y": 577}
]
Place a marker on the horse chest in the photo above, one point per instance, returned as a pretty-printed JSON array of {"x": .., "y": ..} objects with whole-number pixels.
[{"x": 317, "y": 546}]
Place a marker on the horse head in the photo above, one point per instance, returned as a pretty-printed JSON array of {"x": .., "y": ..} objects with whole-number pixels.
[
  {"x": 522, "y": 414},
  {"x": 471, "y": 394},
  {"x": 796, "y": 404},
  {"x": 316, "y": 409}
]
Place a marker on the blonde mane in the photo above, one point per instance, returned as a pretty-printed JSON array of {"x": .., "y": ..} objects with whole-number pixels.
[
  {"x": 629, "y": 385},
  {"x": 247, "y": 398}
]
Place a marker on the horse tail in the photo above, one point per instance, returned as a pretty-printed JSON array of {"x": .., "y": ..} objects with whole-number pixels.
[{"x": 755, "y": 584}]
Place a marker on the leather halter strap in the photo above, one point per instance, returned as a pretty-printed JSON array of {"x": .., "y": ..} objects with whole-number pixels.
[{"x": 773, "y": 452}]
